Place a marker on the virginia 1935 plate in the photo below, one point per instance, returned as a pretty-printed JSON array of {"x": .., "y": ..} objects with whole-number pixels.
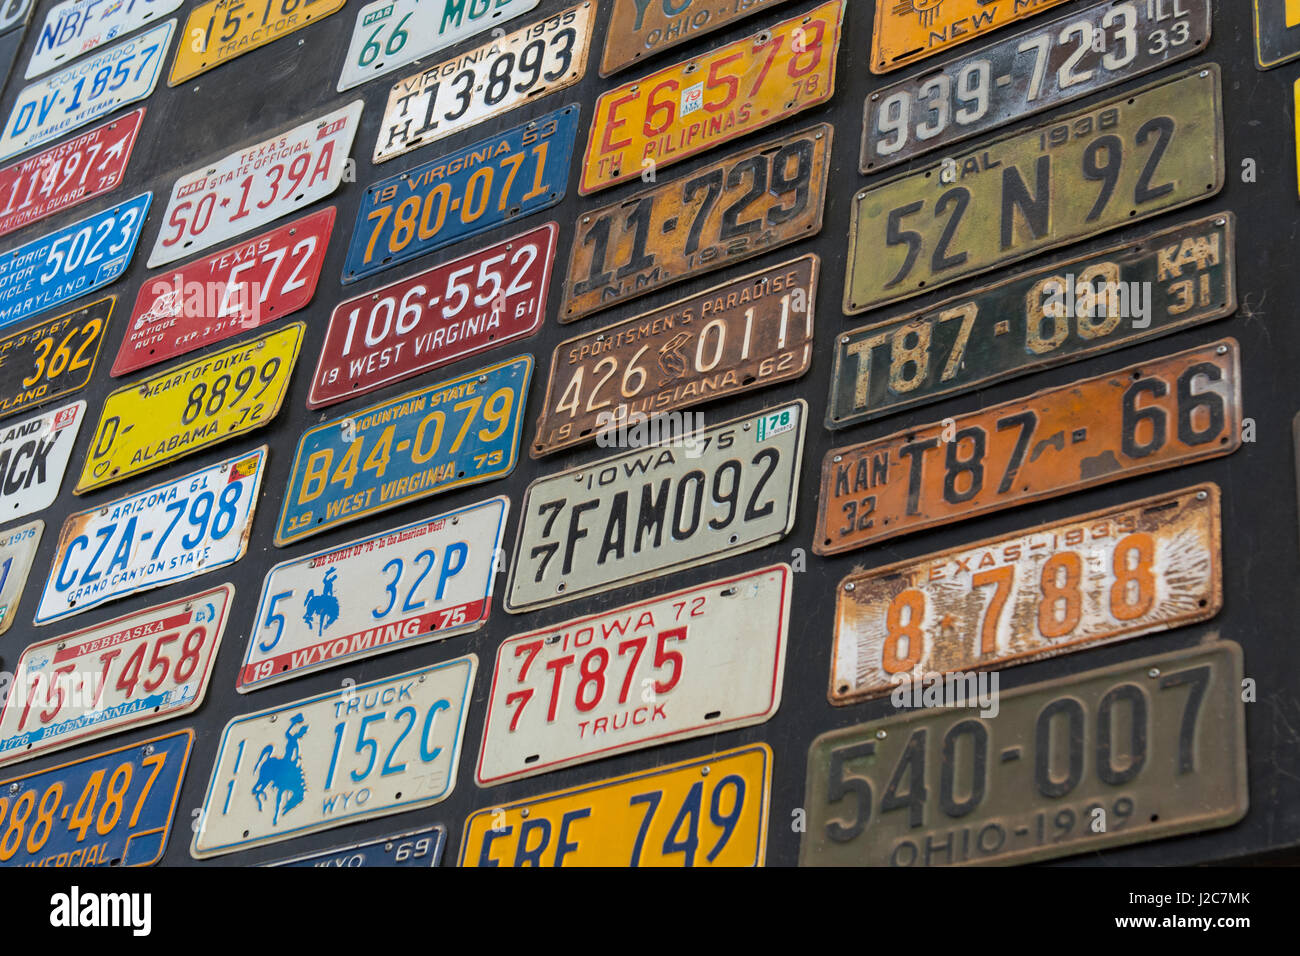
[
  {"x": 419, "y": 848},
  {"x": 53, "y": 358},
  {"x": 909, "y": 30},
  {"x": 639, "y": 29},
  {"x": 1277, "y": 32},
  {"x": 75, "y": 27},
  {"x": 17, "y": 552},
  {"x": 34, "y": 455},
  {"x": 220, "y": 30}
]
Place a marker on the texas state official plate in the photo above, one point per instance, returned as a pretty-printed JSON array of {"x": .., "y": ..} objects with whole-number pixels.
[
  {"x": 220, "y": 30},
  {"x": 419, "y": 848},
  {"x": 51, "y": 359},
  {"x": 34, "y": 455},
  {"x": 17, "y": 552},
  {"x": 639, "y": 30},
  {"x": 75, "y": 27}
]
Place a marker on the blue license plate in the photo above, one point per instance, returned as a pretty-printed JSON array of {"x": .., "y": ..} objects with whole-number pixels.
[
  {"x": 419, "y": 848},
  {"x": 512, "y": 175}
]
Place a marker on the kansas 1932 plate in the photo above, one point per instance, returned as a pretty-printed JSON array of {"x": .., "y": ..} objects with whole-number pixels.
[
  {"x": 1160, "y": 414},
  {"x": 1129, "y": 158},
  {"x": 910, "y": 30},
  {"x": 689, "y": 500},
  {"x": 1037, "y": 319},
  {"x": 218, "y": 31},
  {"x": 53, "y": 358},
  {"x": 707, "y": 812},
  {"x": 749, "y": 333},
  {"x": 424, "y": 581},
  {"x": 1277, "y": 32},
  {"x": 136, "y": 670},
  {"x": 17, "y": 552},
  {"x": 639, "y": 29},
  {"x": 75, "y": 27},
  {"x": 479, "y": 301},
  {"x": 366, "y": 751},
  {"x": 752, "y": 202},
  {"x": 33, "y": 457},
  {"x": 419, "y": 848}
]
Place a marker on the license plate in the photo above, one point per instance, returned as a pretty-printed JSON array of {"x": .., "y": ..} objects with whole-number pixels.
[
  {"x": 639, "y": 30},
  {"x": 17, "y": 552},
  {"x": 33, "y": 457},
  {"x": 419, "y": 848},
  {"x": 707, "y": 812},
  {"x": 495, "y": 78},
  {"x": 14, "y": 13},
  {"x": 1277, "y": 39},
  {"x": 171, "y": 532},
  {"x": 1128, "y": 159},
  {"x": 303, "y": 625},
  {"x": 479, "y": 301},
  {"x": 218, "y": 31},
  {"x": 1160, "y": 414},
  {"x": 460, "y": 432},
  {"x": 514, "y": 174},
  {"x": 110, "y": 809},
  {"x": 692, "y": 499},
  {"x": 693, "y": 106},
  {"x": 768, "y": 196},
  {"x": 52, "y": 359},
  {"x": 1139, "y": 751},
  {"x": 139, "y": 669},
  {"x": 233, "y": 290},
  {"x": 75, "y": 27},
  {"x": 308, "y": 766},
  {"x": 1038, "y": 319},
  {"x": 911, "y": 30},
  {"x": 747, "y": 334}
]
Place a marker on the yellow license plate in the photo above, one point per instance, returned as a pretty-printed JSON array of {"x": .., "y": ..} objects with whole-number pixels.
[
  {"x": 221, "y": 30},
  {"x": 911, "y": 30}
]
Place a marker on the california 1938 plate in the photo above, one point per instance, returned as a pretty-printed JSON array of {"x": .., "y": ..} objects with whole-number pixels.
[
  {"x": 1277, "y": 32},
  {"x": 220, "y": 30},
  {"x": 640, "y": 29},
  {"x": 17, "y": 552},
  {"x": 75, "y": 27},
  {"x": 33, "y": 457},
  {"x": 909, "y": 30},
  {"x": 419, "y": 848},
  {"x": 53, "y": 358},
  {"x": 365, "y": 751}
]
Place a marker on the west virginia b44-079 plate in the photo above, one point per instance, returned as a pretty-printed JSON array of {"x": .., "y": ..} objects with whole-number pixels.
[
  {"x": 220, "y": 30},
  {"x": 76, "y": 27},
  {"x": 17, "y": 552},
  {"x": 33, "y": 457},
  {"x": 53, "y": 358},
  {"x": 639, "y": 29},
  {"x": 909, "y": 30}
]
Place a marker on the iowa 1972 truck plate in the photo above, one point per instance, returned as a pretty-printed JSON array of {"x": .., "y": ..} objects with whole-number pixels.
[
  {"x": 909, "y": 30},
  {"x": 640, "y": 29},
  {"x": 53, "y": 358}
]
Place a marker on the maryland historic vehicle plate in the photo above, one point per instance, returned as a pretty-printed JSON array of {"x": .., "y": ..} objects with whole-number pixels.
[
  {"x": 423, "y": 581},
  {"x": 460, "y": 308},
  {"x": 639, "y": 29},
  {"x": 492, "y": 79},
  {"x": 1157, "y": 745},
  {"x": 459, "y": 432},
  {"x": 33, "y": 457},
  {"x": 748, "y": 333},
  {"x": 419, "y": 848},
  {"x": 220, "y": 30},
  {"x": 51, "y": 359},
  {"x": 1037, "y": 319},
  {"x": 139, "y": 669},
  {"x": 171, "y": 532},
  {"x": 752, "y": 202},
  {"x": 706, "y": 812},
  {"x": 713, "y": 655},
  {"x": 109, "y": 809},
  {"x": 1129, "y": 158},
  {"x": 693, "y": 106},
  {"x": 513, "y": 174},
  {"x": 1277, "y": 32},
  {"x": 75, "y": 27},
  {"x": 1160, "y": 414},
  {"x": 689, "y": 500},
  {"x": 1055, "y": 63},
  {"x": 365, "y": 751},
  {"x": 17, "y": 552},
  {"x": 233, "y": 290},
  {"x": 910, "y": 30}
]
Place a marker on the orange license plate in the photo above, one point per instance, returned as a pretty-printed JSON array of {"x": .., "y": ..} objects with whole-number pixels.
[{"x": 911, "y": 30}]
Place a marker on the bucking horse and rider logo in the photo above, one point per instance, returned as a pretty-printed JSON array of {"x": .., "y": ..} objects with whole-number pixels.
[
  {"x": 284, "y": 773},
  {"x": 323, "y": 607}
]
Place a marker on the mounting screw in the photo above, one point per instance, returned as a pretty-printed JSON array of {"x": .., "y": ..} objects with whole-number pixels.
[{"x": 1154, "y": 672}]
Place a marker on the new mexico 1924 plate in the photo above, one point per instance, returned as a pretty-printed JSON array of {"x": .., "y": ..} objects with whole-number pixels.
[
  {"x": 419, "y": 848},
  {"x": 34, "y": 454},
  {"x": 17, "y": 552},
  {"x": 909, "y": 30},
  {"x": 640, "y": 29},
  {"x": 220, "y": 30},
  {"x": 53, "y": 358},
  {"x": 75, "y": 27}
]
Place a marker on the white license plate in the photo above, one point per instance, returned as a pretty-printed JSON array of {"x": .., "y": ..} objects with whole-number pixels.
[
  {"x": 15, "y": 12},
  {"x": 75, "y": 27},
  {"x": 17, "y": 552},
  {"x": 33, "y": 457}
]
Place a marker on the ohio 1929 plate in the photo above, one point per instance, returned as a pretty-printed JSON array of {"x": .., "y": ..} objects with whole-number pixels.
[
  {"x": 53, "y": 358},
  {"x": 909, "y": 30},
  {"x": 75, "y": 27},
  {"x": 419, "y": 848},
  {"x": 220, "y": 30},
  {"x": 33, "y": 457},
  {"x": 17, "y": 552},
  {"x": 639, "y": 29},
  {"x": 1277, "y": 32}
]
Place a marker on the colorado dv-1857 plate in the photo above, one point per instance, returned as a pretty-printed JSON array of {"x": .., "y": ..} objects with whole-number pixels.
[
  {"x": 419, "y": 848},
  {"x": 909, "y": 30},
  {"x": 17, "y": 552},
  {"x": 220, "y": 30},
  {"x": 1277, "y": 32},
  {"x": 75, "y": 27},
  {"x": 33, "y": 457},
  {"x": 639, "y": 30},
  {"x": 53, "y": 358}
]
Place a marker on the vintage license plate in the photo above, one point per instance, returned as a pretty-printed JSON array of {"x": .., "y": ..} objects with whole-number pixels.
[
  {"x": 1038, "y": 319},
  {"x": 419, "y": 848},
  {"x": 171, "y": 532},
  {"x": 639, "y": 30},
  {"x": 1159, "y": 414},
  {"x": 459, "y": 432},
  {"x": 514, "y": 174},
  {"x": 691, "y": 499},
  {"x": 1127, "y": 159},
  {"x": 33, "y": 457},
  {"x": 14, "y": 13},
  {"x": 17, "y": 552},
  {"x": 1024, "y": 74},
  {"x": 110, "y": 809},
  {"x": 461, "y": 308},
  {"x": 365, "y": 751},
  {"x": 706, "y": 812},
  {"x": 421, "y": 582},
  {"x": 693, "y": 106},
  {"x": 1277, "y": 32},
  {"x": 498, "y": 76},
  {"x": 746, "y": 334},
  {"x": 51, "y": 359},
  {"x": 912, "y": 30},
  {"x": 75, "y": 27},
  {"x": 218, "y": 31},
  {"x": 136, "y": 670}
]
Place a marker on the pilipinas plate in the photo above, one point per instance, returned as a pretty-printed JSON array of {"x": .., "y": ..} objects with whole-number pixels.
[
  {"x": 53, "y": 358},
  {"x": 638, "y": 30},
  {"x": 220, "y": 30},
  {"x": 17, "y": 552},
  {"x": 33, "y": 457},
  {"x": 419, "y": 848},
  {"x": 909, "y": 30},
  {"x": 75, "y": 27}
]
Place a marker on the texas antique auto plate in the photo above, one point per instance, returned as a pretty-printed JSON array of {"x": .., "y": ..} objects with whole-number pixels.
[
  {"x": 639, "y": 30},
  {"x": 909, "y": 30},
  {"x": 53, "y": 358},
  {"x": 1160, "y": 414},
  {"x": 365, "y": 751},
  {"x": 75, "y": 27},
  {"x": 17, "y": 552},
  {"x": 419, "y": 848},
  {"x": 220, "y": 30},
  {"x": 1129, "y": 158},
  {"x": 692, "y": 499},
  {"x": 1277, "y": 32},
  {"x": 34, "y": 455},
  {"x": 747, "y": 334}
]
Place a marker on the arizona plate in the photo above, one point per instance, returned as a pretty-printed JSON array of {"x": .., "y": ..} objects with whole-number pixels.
[
  {"x": 33, "y": 457},
  {"x": 17, "y": 553},
  {"x": 51, "y": 359},
  {"x": 75, "y": 27}
]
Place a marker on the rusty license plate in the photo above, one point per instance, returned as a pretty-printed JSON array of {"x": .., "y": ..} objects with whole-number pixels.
[
  {"x": 911, "y": 30},
  {"x": 639, "y": 30},
  {"x": 1277, "y": 32},
  {"x": 53, "y": 358}
]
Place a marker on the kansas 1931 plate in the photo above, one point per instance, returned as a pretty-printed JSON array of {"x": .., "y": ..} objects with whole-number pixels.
[
  {"x": 1038, "y": 319},
  {"x": 1129, "y": 158},
  {"x": 33, "y": 457},
  {"x": 51, "y": 359},
  {"x": 220, "y": 30},
  {"x": 1277, "y": 32},
  {"x": 366, "y": 751},
  {"x": 691, "y": 499},
  {"x": 752, "y": 202},
  {"x": 136, "y": 670},
  {"x": 460, "y": 308},
  {"x": 424, "y": 581},
  {"x": 910, "y": 30},
  {"x": 639, "y": 29},
  {"x": 1160, "y": 414},
  {"x": 749, "y": 333},
  {"x": 17, "y": 552},
  {"x": 75, "y": 27},
  {"x": 707, "y": 812},
  {"x": 419, "y": 848}
]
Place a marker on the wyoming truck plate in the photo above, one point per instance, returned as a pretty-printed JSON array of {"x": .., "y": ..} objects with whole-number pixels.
[
  {"x": 33, "y": 457},
  {"x": 17, "y": 552},
  {"x": 419, "y": 848},
  {"x": 53, "y": 358},
  {"x": 220, "y": 30},
  {"x": 909, "y": 30},
  {"x": 75, "y": 27},
  {"x": 638, "y": 29}
]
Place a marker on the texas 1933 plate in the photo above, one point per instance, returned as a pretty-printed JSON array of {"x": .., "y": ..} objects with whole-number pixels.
[
  {"x": 650, "y": 511},
  {"x": 171, "y": 532},
  {"x": 1160, "y": 414},
  {"x": 479, "y": 301},
  {"x": 1277, "y": 32},
  {"x": 53, "y": 358},
  {"x": 639, "y": 29},
  {"x": 75, "y": 27},
  {"x": 220, "y": 30},
  {"x": 1129, "y": 158},
  {"x": 346, "y": 755},
  {"x": 749, "y": 333},
  {"x": 419, "y": 848},
  {"x": 33, "y": 457},
  {"x": 752, "y": 202},
  {"x": 1086, "y": 305},
  {"x": 691, "y": 107},
  {"x": 706, "y": 812},
  {"x": 909, "y": 30},
  {"x": 136, "y": 670},
  {"x": 459, "y": 432},
  {"x": 424, "y": 581},
  {"x": 17, "y": 552}
]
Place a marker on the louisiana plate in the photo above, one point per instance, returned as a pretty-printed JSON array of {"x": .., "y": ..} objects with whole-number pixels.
[{"x": 33, "y": 457}]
